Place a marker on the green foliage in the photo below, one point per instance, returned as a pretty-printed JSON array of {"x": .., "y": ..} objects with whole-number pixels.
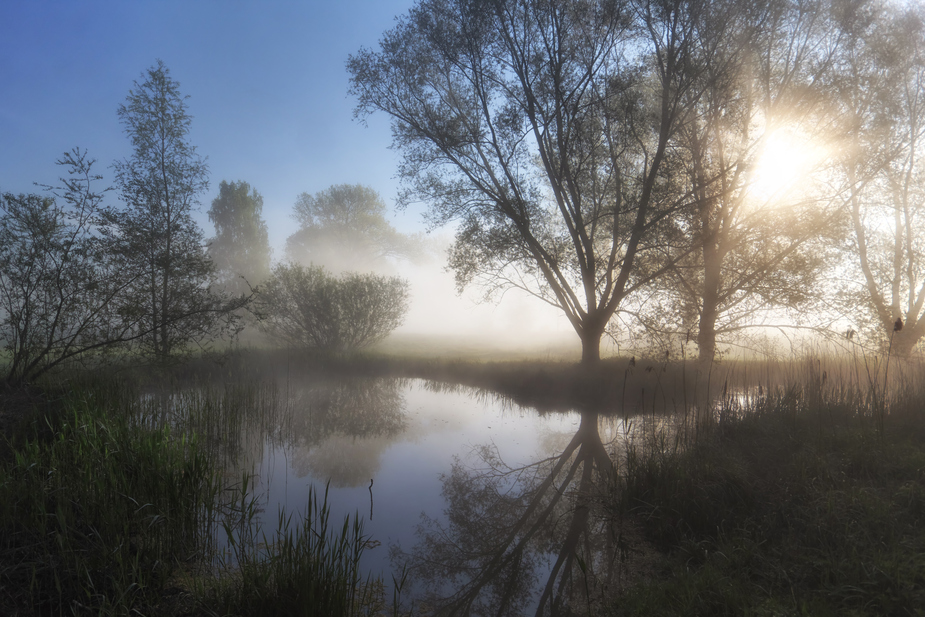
[
  {"x": 241, "y": 247},
  {"x": 155, "y": 235},
  {"x": 307, "y": 307},
  {"x": 344, "y": 228}
]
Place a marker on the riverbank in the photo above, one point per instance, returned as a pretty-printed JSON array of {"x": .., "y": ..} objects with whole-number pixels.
[
  {"x": 110, "y": 504},
  {"x": 804, "y": 502},
  {"x": 799, "y": 489}
]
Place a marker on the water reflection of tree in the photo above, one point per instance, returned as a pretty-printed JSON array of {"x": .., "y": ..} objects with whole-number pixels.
[
  {"x": 353, "y": 407},
  {"x": 339, "y": 428},
  {"x": 515, "y": 536}
]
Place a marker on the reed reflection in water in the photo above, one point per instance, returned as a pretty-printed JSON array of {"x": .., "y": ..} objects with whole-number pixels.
[{"x": 490, "y": 507}]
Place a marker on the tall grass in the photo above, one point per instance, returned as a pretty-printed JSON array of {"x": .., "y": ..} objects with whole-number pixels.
[
  {"x": 97, "y": 515},
  {"x": 115, "y": 498},
  {"x": 303, "y": 567},
  {"x": 802, "y": 497}
]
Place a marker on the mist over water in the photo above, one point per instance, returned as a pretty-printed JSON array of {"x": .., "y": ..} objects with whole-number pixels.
[
  {"x": 442, "y": 320},
  {"x": 409, "y": 455}
]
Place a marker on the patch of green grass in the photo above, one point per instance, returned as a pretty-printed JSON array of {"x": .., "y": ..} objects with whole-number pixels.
[
  {"x": 801, "y": 505},
  {"x": 113, "y": 504}
]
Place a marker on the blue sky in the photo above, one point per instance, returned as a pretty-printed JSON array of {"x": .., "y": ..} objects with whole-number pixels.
[{"x": 266, "y": 81}]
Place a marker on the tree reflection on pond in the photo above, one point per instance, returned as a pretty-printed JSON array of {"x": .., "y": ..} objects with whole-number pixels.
[
  {"x": 339, "y": 429},
  {"x": 519, "y": 539}
]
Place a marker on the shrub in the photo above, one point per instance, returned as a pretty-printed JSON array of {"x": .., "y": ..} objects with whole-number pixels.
[{"x": 310, "y": 308}]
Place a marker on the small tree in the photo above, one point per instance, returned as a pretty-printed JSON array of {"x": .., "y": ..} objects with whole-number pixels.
[
  {"x": 155, "y": 234},
  {"x": 344, "y": 228},
  {"x": 240, "y": 248},
  {"x": 307, "y": 307},
  {"x": 60, "y": 289}
]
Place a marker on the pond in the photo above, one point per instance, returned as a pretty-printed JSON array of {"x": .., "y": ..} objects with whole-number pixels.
[{"x": 484, "y": 506}]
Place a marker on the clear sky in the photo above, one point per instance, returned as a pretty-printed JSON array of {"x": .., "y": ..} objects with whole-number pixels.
[{"x": 266, "y": 81}]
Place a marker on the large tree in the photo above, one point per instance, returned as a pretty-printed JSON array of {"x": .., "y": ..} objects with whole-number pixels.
[
  {"x": 155, "y": 232},
  {"x": 757, "y": 218},
  {"x": 882, "y": 93},
  {"x": 344, "y": 228},
  {"x": 241, "y": 246},
  {"x": 544, "y": 129}
]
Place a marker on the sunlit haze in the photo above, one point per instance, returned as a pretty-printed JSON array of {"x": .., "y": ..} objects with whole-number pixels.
[{"x": 785, "y": 160}]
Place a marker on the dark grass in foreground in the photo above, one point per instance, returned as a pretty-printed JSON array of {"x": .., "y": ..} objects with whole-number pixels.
[
  {"x": 796, "y": 505},
  {"x": 103, "y": 514}
]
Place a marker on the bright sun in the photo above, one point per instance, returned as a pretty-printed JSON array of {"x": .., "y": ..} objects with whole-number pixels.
[{"x": 785, "y": 161}]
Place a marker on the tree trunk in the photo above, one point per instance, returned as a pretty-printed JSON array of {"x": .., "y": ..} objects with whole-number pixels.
[
  {"x": 706, "y": 333},
  {"x": 904, "y": 341},
  {"x": 709, "y": 311},
  {"x": 591, "y": 343}
]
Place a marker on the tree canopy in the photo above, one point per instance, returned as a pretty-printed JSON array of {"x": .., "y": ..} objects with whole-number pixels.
[
  {"x": 240, "y": 249},
  {"x": 544, "y": 129},
  {"x": 344, "y": 228},
  {"x": 611, "y": 156}
]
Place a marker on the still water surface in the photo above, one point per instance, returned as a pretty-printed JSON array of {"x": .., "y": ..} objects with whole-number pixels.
[{"x": 487, "y": 504}]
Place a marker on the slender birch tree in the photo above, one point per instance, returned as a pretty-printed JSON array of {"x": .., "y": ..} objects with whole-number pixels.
[{"x": 155, "y": 233}]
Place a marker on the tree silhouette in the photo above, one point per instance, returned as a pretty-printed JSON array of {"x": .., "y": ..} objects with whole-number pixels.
[
  {"x": 544, "y": 129},
  {"x": 517, "y": 537},
  {"x": 241, "y": 247},
  {"x": 155, "y": 234}
]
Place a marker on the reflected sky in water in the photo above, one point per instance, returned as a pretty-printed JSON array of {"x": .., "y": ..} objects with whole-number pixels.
[
  {"x": 405, "y": 459},
  {"x": 444, "y": 474}
]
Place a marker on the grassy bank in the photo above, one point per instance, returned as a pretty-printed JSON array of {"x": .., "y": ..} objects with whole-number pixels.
[
  {"x": 109, "y": 505},
  {"x": 808, "y": 499},
  {"x": 801, "y": 490}
]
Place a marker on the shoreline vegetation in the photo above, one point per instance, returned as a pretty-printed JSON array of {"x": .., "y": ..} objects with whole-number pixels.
[{"x": 799, "y": 489}]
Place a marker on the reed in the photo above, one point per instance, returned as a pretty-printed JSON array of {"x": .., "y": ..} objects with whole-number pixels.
[
  {"x": 99, "y": 514},
  {"x": 805, "y": 497},
  {"x": 114, "y": 498},
  {"x": 305, "y": 566}
]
